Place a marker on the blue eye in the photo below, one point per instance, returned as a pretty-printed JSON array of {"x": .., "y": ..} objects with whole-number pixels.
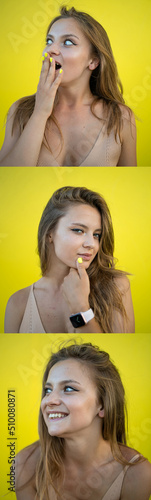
[
  {"x": 97, "y": 235},
  {"x": 68, "y": 42},
  {"x": 47, "y": 390},
  {"x": 68, "y": 388},
  {"x": 76, "y": 230},
  {"x": 48, "y": 41}
]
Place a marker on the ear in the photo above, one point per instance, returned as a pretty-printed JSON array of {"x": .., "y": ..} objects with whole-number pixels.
[
  {"x": 101, "y": 412},
  {"x": 94, "y": 63},
  {"x": 50, "y": 238}
]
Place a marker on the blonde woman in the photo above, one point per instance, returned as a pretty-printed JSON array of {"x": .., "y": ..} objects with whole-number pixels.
[
  {"x": 82, "y": 452},
  {"x": 80, "y": 289},
  {"x": 77, "y": 116}
]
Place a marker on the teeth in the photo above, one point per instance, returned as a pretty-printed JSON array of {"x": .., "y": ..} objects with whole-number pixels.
[{"x": 56, "y": 415}]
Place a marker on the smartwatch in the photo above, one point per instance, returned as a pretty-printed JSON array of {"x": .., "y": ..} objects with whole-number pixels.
[{"x": 81, "y": 318}]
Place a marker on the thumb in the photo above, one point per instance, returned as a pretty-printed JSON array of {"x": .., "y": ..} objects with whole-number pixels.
[{"x": 80, "y": 267}]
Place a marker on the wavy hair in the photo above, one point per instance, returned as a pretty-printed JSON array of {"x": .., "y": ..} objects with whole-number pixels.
[
  {"x": 105, "y": 295},
  {"x": 111, "y": 395},
  {"x": 105, "y": 83}
]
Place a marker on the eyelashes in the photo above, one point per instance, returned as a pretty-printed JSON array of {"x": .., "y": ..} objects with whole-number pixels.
[
  {"x": 49, "y": 41},
  {"x": 66, "y": 389},
  {"x": 80, "y": 231}
]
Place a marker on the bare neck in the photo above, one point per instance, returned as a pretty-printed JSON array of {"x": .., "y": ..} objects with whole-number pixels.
[
  {"x": 87, "y": 450},
  {"x": 74, "y": 96}
]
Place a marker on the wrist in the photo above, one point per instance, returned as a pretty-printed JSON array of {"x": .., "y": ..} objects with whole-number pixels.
[
  {"x": 80, "y": 307},
  {"x": 40, "y": 116},
  {"x": 82, "y": 318}
]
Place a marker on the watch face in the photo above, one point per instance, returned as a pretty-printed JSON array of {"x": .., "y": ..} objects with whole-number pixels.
[{"x": 77, "y": 320}]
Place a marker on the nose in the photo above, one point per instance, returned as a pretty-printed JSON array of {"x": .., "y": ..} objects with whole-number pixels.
[
  {"x": 89, "y": 241},
  {"x": 54, "y": 49},
  {"x": 52, "y": 399}
]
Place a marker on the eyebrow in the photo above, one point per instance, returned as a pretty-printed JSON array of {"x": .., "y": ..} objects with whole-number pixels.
[
  {"x": 65, "y": 382},
  {"x": 63, "y": 36},
  {"x": 83, "y": 225}
]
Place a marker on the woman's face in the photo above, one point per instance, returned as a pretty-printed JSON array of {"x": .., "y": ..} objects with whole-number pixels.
[
  {"x": 77, "y": 235},
  {"x": 70, "y": 48},
  {"x": 70, "y": 405}
]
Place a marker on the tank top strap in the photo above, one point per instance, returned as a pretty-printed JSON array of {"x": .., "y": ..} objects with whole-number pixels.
[
  {"x": 115, "y": 489},
  {"x": 31, "y": 322}
]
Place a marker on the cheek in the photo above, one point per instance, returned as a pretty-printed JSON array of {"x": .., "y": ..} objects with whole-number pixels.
[{"x": 43, "y": 404}]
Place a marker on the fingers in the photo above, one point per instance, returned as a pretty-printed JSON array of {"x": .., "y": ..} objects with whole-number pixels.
[
  {"x": 45, "y": 68},
  {"x": 52, "y": 74},
  {"x": 80, "y": 267},
  {"x": 48, "y": 72}
]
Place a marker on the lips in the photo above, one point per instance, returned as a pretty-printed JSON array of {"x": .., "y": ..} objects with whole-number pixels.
[{"x": 85, "y": 256}]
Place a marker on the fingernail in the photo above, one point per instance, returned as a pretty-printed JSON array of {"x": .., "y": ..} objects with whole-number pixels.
[
  {"x": 45, "y": 54},
  {"x": 60, "y": 70},
  {"x": 51, "y": 59},
  {"x": 43, "y": 58},
  {"x": 80, "y": 260}
]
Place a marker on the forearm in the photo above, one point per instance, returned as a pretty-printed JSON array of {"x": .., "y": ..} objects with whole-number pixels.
[{"x": 27, "y": 148}]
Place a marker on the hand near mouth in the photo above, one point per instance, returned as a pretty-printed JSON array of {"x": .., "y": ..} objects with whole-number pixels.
[
  {"x": 76, "y": 289},
  {"x": 47, "y": 87}
]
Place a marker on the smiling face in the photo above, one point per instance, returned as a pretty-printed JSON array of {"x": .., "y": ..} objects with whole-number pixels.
[
  {"x": 70, "y": 405},
  {"x": 71, "y": 49},
  {"x": 77, "y": 234}
]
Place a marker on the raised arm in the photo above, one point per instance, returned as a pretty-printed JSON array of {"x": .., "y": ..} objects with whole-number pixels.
[
  {"x": 76, "y": 289},
  {"x": 23, "y": 150}
]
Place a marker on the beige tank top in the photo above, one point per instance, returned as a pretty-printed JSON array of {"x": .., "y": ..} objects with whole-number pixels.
[
  {"x": 31, "y": 322},
  {"x": 115, "y": 489},
  {"x": 105, "y": 152}
]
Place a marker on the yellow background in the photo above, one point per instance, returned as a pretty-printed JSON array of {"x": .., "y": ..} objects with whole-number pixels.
[
  {"x": 22, "y": 38},
  {"x": 23, "y": 361},
  {"x": 24, "y": 193}
]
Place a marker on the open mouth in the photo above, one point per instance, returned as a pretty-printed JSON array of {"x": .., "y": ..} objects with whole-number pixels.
[{"x": 57, "y": 65}]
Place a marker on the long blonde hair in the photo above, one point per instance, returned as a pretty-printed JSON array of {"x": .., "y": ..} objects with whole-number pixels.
[
  {"x": 105, "y": 83},
  {"x": 111, "y": 395},
  {"x": 105, "y": 295}
]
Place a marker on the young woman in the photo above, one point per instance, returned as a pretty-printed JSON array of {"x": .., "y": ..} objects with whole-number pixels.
[
  {"x": 82, "y": 452},
  {"x": 80, "y": 289},
  {"x": 77, "y": 116}
]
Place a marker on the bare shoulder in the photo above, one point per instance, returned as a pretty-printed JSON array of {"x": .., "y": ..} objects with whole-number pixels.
[
  {"x": 25, "y": 468},
  {"x": 137, "y": 481},
  {"x": 127, "y": 114},
  {"x": 19, "y": 299},
  {"x": 27, "y": 458},
  {"x": 15, "y": 310},
  {"x": 128, "y": 326},
  {"x": 123, "y": 283},
  {"x": 128, "y": 123}
]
